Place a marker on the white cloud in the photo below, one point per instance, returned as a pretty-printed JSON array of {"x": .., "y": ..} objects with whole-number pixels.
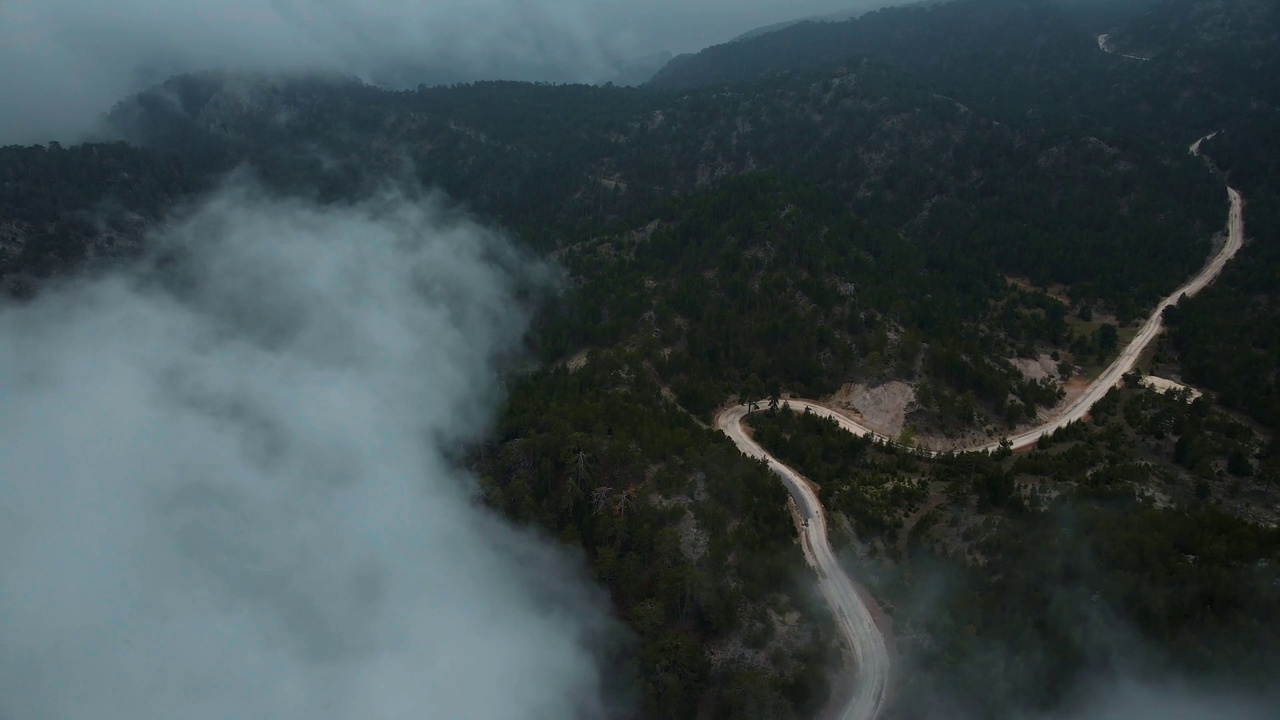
[{"x": 226, "y": 489}]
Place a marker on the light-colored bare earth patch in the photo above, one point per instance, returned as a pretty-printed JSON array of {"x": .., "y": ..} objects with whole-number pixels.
[
  {"x": 1160, "y": 500},
  {"x": 577, "y": 362},
  {"x": 884, "y": 407},
  {"x": 1040, "y": 368},
  {"x": 1165, "y": 385}
]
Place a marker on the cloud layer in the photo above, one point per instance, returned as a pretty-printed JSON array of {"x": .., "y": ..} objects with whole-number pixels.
[
  {"x": 62, "y": 62},
  {"x": 227, "y": 489}
]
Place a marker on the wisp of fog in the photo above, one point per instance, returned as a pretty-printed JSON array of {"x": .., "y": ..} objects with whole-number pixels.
[{"x": 229, "y": 485}]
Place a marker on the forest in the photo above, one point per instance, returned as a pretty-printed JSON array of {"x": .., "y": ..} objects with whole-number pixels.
[
  {"x": 1134, "y": 543},
  {"x": 928, "y": 195},
  {"x": 763, "y": 284},
  {"x": 1049, "y": 202}
]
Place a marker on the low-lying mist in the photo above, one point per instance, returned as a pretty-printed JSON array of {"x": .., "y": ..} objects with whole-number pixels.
[
  {"x": 1127, "y": 699},
  {"x": 227, "y": 488},
  {"x": 1096, "y": 607}
]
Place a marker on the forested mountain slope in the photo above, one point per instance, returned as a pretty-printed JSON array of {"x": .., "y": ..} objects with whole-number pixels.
[
  {"x": 946, "y": 190},
  {"x": 1002, "y": 46},
  {"x": 973, "y": 198},
  {"x": 61, "y": 208},
  {"x": 1052, "y": 204},
  {"x": 1114, "y": 553},
  {"x": 762, "y": 284},
  {"x": 1185, "y": 28},
  {"x": 1034, "y": 60},
  {"x": 1212, "y": 67},
  {"x": 1226, "y": 55}
]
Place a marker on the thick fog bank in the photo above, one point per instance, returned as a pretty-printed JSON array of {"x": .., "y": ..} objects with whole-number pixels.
[{"x": 229, "y": 494}]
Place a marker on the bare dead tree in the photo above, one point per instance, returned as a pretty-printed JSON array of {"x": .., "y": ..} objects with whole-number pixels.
[
  {"x": 600, "y": 498},
  {"x": 581, "y": 469},
  {"x": 625, "y": 501},
  {"x": 573, "y": 492}
]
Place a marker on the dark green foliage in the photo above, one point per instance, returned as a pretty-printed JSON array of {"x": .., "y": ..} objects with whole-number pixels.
[
  {"x": 819, "y": 206},
  {"x": 763, "y": 283},
  {"x": 690, "y": 537},
  {"x": 871, "y": 485},
  {"x": 1048, "y": 591},
  {"x": 62, "y": 206},
  {"x": 1091, "y": 587},
  {"x": 1229, "y": 336},
  {"x": 1037, "y": 45},
  {"x": 1116, "y": 214},
  {"x": 1108, "y": 338}
]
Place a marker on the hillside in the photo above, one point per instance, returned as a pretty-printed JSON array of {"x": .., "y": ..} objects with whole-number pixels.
[
  {"x": 1017, "y": 59},
  {"x": 891, "y": 151},
  {"x": 1113, "y": 225},
  {"x": 1225, "y": 54},
  {"x": 962, "y": 207},
  {"x": 1137, "y": 547},
  {"x": 999, "y": 56}
]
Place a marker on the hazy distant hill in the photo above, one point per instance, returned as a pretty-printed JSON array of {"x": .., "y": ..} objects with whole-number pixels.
[
  {"x": 1248, "y": 27},
  {"x": 639, "y": 71},
  {"x": 1005, "y": 57},
  {"x": 774, "y": 27},
  {"x": 914, "y": 37}
]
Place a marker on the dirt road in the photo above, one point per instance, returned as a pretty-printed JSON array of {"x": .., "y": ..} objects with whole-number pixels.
[
  {"x": 1194, "y": 148},
  {"x": 1104, "y": 44},
  {"x": 865, "y": 640}
]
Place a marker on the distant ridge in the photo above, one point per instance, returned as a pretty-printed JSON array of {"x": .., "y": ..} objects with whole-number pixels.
[{"x": 766, "y": 29}]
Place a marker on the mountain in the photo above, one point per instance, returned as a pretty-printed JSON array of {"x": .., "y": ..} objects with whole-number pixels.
[
  {"x": 978, "y": 199},
  {"x": 892, "y": 151},
  {"x": 945, "y": 215},
  {"x": 946, "y": 38},
  {"x": 1226, "y": 54},
  {"x": 1187, "y": 27},
  {"x": 774, "y": 27}
]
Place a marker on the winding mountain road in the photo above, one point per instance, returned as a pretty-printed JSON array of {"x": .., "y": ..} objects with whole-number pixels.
[{"x": 865, "y": 639}]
